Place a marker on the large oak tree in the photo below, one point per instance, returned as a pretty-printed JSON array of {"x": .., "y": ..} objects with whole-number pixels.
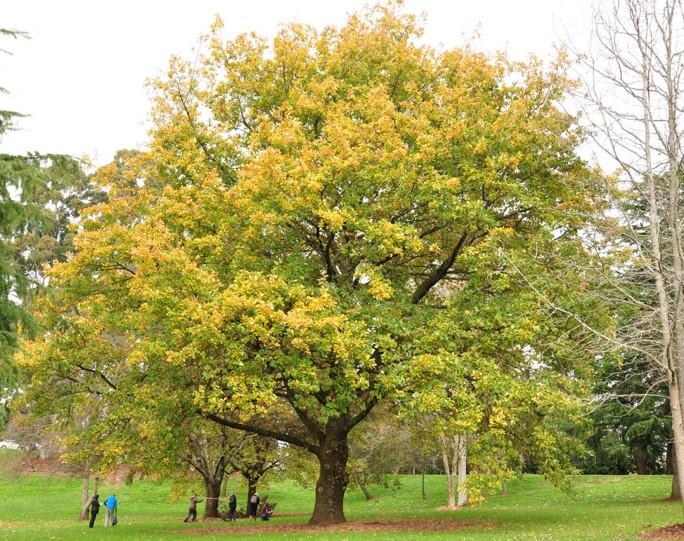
[{"x": 306, "y": 206}]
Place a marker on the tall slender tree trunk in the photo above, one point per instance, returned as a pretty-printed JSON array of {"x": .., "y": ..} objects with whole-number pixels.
[
  {"x": 674, "y": 154},
  {"x": 678, "y": 432},
  {"x": 85, "y": 495},
  {"x": 675, "y": 493},
  {"x": 224, "y": 487},
  {"x": 332, "y": 479},
  {"x": 670, "y": 361},
  {"x": 451, "y": 474},
  {"x": 422, "y": 484},
  {"x": 212, "y": 492},
  {"x": 461, "y": 443}
]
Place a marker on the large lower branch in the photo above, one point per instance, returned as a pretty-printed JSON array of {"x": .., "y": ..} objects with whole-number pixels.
[{"x": 262, "y": 431}]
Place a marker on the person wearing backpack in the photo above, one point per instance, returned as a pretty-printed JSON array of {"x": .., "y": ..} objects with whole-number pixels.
[{"x": 254, "y": 506}]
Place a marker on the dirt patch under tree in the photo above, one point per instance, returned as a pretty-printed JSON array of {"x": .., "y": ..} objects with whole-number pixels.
[
  {"x": 404, "y": 525},
  {"x": 673, "y": 531}
]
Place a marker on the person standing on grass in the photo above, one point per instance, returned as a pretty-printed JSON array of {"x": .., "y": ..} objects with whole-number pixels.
[
  {"x": 232, "y": 507},
  {"x": 110, "y": 506},
  {"x": 94, "y": 509},
  {"x": 254, "y": 505},
  {"x": 192, "y": 510}
]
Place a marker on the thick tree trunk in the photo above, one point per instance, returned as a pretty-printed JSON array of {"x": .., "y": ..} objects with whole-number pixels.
[
  {"x": 212, "y": 491},
  {"x": 251, "y": 487},
  {"x": 85, "y": 496},
  {"x": 332, "y": 479},
  {"x": 462, "y": 447},
  {"x": 640, "y": 461}
]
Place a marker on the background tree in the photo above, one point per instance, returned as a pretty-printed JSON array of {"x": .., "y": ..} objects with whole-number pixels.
[
  {"x": 632, "y": 427},
  {"x": 495, "y": 385},
  {"x": 638, "y": 63},
  {"x": 40, "y": 194},
  {"x": 257, "y": 457}
]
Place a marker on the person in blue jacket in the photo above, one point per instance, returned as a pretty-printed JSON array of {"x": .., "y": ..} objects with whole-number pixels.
[{"x": 110, "y": 516}]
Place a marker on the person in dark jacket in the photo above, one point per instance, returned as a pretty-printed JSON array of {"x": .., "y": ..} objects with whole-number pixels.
[
  {"x": 254, "y": 505},
  {"x": 94, "y": 509},
  {"x": 192, "y": 509},
  {"x": 266, "y": 511},
  {"x": 232, "y": 507}
]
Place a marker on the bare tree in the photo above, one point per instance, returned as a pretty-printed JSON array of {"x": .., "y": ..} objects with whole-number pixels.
[{"x": 635, "y": 98}]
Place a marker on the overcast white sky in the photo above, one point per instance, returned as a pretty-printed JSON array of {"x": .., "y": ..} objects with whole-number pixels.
[{"x": 81, "y": 76}]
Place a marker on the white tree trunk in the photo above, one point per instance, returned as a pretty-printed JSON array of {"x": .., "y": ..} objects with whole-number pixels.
[
  {"x": 450, "y": 472},
  {"x": 461, "y": 443}
]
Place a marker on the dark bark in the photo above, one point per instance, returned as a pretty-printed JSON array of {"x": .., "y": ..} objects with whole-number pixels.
[
  {"x": 332, "y": 479},
  {"x": 281, "y": 435},
  {"x": 640, "y": 461},
  {"x": 440, "y": 272},
  {"x": 422, "y": 484},
  {"x": 329, "y": 444},
  {"x": 252, "y": 482},
  {"x": 212, "y": 491}
]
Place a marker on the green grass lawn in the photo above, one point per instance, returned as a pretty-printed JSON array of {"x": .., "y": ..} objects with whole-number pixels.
[{"x": 604, "y": 508}]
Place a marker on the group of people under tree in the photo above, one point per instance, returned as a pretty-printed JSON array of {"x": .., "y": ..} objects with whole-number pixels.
[{"x": 254, "y": 508}]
